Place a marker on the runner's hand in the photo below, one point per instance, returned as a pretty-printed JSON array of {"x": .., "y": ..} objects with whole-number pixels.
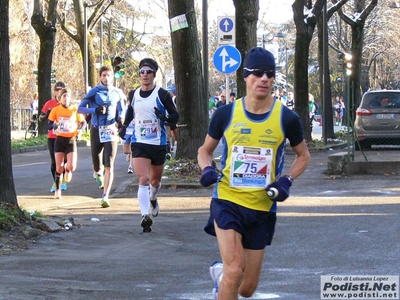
[
  {"x": 209, "y": 176},
  {"x": 160, "y": 114},
  {"x": 122, "y": 132},
  {"x": 279, "y": 190},
  {"x": 101, "y": 110}
]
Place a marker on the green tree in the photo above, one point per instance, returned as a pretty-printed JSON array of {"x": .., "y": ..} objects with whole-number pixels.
[{"x": 7, "y": 188}]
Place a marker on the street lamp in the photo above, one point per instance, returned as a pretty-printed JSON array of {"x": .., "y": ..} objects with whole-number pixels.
[{"x": 281, "y": 35}]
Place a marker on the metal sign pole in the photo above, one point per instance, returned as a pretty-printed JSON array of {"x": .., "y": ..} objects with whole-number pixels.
[{"x": 227, "y": 92}]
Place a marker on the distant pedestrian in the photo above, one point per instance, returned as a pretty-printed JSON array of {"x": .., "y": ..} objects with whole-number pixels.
[
  {"x": 35, "y": 107},
  {"x": 282, "y": 97},
  {"x": 127, "y": 139},
  {"x": 221, "y": 102},
  {"x": 343, "y": 112},
  {"x": 211, "y": 107},
  {"x": 232, "y": 97},
  {"x": 313, "y": 109},
  {"x": 275, "y": 94},
  {"x": 290, "y": 101},
  {"x": 172, "y": 129},
  {"x": 216, "y": 97}
]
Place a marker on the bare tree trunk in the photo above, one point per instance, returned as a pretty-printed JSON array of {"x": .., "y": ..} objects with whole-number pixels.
[
  {"x": 325, "y": 103},
  {"x": 45, "y": 29},
  {"x": 328, "y": 112},
  {"x": 191, "y": 102},
  {"x": 357, "y": 23},
  {"x": 357, "y": 43},
  {"x": 78, "y": 34},
  {"x": 246, "y": 12},
  {"x": 7, "y": 188},
  {"x": 304, "y": 33}
]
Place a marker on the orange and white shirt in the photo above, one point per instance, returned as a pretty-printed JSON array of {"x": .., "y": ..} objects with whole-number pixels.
[{"x": 68, "y": 120}]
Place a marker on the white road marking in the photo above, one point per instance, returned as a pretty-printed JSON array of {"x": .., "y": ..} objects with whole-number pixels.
[{"x": 31, "y": 164}]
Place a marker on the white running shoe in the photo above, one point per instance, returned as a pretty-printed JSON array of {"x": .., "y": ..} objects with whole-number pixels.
[
  {"x": 155, "y": 208},
  {"x": 57, "y": 194},
  {"x": 216, "y": 272},
  {"x": 130, "y": 170}
]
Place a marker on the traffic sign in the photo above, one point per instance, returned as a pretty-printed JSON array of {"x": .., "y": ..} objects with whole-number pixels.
[
  {"x": 227, "y": 59},
  {"x": 226, "y": 30}
]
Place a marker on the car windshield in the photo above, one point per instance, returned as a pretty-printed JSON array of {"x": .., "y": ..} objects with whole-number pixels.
[{"x": 381, "y": 100}]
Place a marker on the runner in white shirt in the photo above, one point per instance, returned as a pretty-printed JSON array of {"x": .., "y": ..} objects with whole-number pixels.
[{"x": 151, "y": 107}]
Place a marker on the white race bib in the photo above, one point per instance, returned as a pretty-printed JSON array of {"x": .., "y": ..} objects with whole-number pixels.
[
  {"x": 250, "y": 167},
  {"x": 65, "y": 125},
  {"x": 148, "y": 130},
  {"x": 108, "y": 133}
]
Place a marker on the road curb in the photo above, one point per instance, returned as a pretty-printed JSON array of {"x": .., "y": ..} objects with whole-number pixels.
[{"x": 43, "y": 147}]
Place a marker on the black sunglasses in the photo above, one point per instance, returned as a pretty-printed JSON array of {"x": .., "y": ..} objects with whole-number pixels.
[
  {"x": 260, "y": 73},
  {"x": 146, "y": 71}
]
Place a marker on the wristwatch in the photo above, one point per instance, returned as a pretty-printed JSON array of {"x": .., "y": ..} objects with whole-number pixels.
[{"x": 289, "y": 177}]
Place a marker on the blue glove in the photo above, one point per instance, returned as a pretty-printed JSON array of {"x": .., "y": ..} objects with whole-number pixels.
[
  {"x": 209, "y": 176},
  {"x": 279, "y": 190}
]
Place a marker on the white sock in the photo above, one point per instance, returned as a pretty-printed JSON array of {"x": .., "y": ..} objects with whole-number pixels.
[
  {"x": 144, "y": 199},
  {"x": 154, "y": 191}
]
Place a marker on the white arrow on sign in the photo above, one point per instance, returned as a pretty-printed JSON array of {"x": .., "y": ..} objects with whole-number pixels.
[
  {"x": 226, "y": 25},
  {"x": 226, "y": 61}
]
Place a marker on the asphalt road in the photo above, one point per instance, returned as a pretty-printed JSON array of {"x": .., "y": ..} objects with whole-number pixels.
[{"x": 346, "y": 226}]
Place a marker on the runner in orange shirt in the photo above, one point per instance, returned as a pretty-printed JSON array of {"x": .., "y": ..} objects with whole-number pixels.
[{"x": 67, "y": 124}]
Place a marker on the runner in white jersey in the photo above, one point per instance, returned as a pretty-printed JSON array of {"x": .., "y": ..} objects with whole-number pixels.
[{"x": 150, "y": 107}]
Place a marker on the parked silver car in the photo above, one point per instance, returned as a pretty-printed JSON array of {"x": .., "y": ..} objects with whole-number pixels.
[{"x": 378, "y": 119}]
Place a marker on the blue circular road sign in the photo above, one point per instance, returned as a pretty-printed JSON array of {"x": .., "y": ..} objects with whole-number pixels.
[
  {"x": 226, "y": 25},
  {"x": 227, "y": 59}
]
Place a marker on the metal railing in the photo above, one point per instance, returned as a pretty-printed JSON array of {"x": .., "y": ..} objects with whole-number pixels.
[{"x": 20, "y": 118}]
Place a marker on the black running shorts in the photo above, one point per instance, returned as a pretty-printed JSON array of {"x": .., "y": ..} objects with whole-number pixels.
[{"x": 153, "y": 152}]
